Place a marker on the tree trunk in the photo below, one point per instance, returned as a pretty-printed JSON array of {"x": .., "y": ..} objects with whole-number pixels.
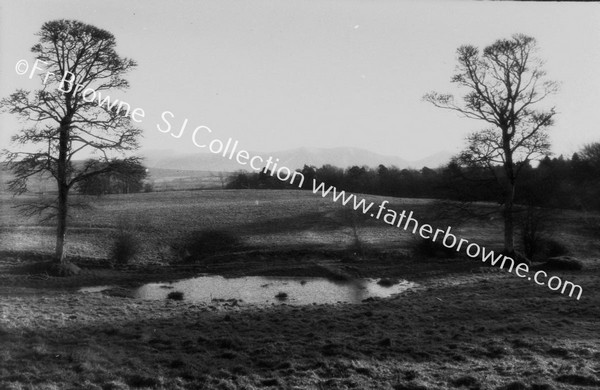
[
  {"x": 61, "y": 229},
  {"x": 509, "y": 169},
  {"x": 63, "y": 189},
  {"x": 509, "y": 236}
]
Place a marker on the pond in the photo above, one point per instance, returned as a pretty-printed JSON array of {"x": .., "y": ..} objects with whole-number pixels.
[{"x": 272, "y": 290}]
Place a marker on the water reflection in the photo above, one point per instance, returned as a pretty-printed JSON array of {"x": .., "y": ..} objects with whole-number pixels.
[{"x": 267, "y": 290}]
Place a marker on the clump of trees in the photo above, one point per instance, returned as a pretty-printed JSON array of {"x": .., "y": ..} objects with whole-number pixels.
[{"x": 124, "y": 178}]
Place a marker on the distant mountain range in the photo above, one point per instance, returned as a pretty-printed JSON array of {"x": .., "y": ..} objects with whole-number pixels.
[{"x": 293, "y": 158}]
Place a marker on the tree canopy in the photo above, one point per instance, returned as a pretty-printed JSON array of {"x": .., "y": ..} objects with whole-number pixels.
[
  {"x": 77, "y": 59},
  {"x": 505, "y": 85}
]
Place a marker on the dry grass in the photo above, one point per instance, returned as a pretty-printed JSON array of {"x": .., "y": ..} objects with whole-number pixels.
[{"x": 262, "y": 218}]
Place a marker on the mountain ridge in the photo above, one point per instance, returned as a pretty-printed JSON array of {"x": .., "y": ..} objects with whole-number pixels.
[{"x": 295, "y": 158}]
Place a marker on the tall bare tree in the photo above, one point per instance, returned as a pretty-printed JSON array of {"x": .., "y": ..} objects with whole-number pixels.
[
  {"x": 80, "y": 62},
  {"x": 505, "y": 83}
]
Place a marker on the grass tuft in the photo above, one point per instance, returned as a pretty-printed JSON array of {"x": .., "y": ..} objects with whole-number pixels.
[{"x": 282, "y": 296}]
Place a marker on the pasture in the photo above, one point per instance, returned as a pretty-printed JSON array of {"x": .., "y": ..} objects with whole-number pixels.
[
  {"x": 463, "y": 328},
  {"x": 268, "y": 219}
]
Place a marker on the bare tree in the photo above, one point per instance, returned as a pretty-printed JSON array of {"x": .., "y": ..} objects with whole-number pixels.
[
  {"x": 66, "y": 120},
  {"x": 504, "y": 84},
  {"x": 590, "y": 154}
]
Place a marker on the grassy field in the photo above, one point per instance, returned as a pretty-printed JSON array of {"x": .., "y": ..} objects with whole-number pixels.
[
  {"x": 463, "y": 329},
  {"x": 264, "y": 218}
]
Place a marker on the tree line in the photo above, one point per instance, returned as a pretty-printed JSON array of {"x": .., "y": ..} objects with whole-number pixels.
[
  {"x": 123, "y": 177},
  {"x": 569, "y": 183}
]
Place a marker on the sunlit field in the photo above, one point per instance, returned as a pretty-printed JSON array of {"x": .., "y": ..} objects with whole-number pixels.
[{"x": 270, "y": 219}]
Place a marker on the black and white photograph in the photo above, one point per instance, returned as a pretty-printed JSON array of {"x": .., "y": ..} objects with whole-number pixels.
[{"x": 299, "y": 194}]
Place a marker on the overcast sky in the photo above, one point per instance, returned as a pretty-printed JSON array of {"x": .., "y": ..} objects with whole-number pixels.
[{"x": 281, "y": 74}]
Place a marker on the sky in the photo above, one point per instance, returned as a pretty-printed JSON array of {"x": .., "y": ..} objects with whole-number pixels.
[{"x": 277, "y": 75}]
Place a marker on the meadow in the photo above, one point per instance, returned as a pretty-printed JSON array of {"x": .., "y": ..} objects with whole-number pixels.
[
  {"x": 466, "y": 327},
  {"x": 275, "y": 219}
]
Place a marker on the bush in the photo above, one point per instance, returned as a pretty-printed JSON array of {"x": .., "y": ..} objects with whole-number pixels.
[
  {"x": 205, "y": 243},
  {"x": 125, "y": 247},
  {"x": 543, "y": 248},
  {"x": 428, "y": 248},
  {"x": 553, "y": 248},
  {"x": 534, "y": 238}
]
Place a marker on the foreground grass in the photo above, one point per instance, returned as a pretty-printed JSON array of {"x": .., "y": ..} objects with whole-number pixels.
[{"x": 477, "y": 332}]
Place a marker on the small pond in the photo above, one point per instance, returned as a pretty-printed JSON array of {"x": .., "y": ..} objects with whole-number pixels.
[{"x": 267, "y": 290}]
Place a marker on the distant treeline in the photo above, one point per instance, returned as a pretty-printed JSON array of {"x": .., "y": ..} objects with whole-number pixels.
[
  {"x": 123, "y": 178},
  {"x": 556, "y": 182}
]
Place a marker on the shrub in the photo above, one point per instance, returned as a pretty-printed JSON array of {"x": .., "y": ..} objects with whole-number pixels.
[
  {"x": 543, "y": 248},
  {"x": 125, "y": 247},
  {"x": 200, "y": 244},
  {"x": 428, "y": 248},
  {"x": 534, "y": 238},
  {"x": 553, "y": 248}
]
